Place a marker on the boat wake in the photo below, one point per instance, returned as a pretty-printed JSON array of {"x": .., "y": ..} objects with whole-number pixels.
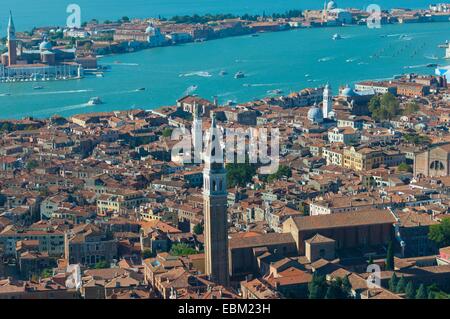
[
  {"x": 351, "y": 60},
  {"x": 203, "y": 74},
  {"x": 125, "y": 64},
  {"x": 260, "y": 84},
  {"x": 415, "y": 66},
  {"x": 431, "y": 57},
  {"x": 325, "y": 59}
]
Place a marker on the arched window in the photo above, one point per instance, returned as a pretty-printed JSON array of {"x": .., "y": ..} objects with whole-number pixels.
[
  {"x": 214, "y": 186},
  {"x": 437, "y": 165},
  {"x": 220, "y": 185}
]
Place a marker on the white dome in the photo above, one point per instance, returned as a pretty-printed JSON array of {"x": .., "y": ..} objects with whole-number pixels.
[
  {"x": 348, "y": 92},
  {"x": 315, "y": 114},
  {"x": 331, "y": 5}
]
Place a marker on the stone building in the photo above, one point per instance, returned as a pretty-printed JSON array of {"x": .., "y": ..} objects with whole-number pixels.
[{"x": 433, "y": 162}]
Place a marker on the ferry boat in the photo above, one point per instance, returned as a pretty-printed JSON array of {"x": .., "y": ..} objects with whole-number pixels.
[
  {"x": 337, "y": 36},
  {"x": 239, "y": 75},
  {"x": 94, "y": 101},
  {"x": 276, "y": 91}
]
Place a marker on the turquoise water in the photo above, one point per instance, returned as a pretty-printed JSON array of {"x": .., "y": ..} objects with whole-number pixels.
[
  {"x": 270, "y": 61},
  {"x": 31, "y": 13}
]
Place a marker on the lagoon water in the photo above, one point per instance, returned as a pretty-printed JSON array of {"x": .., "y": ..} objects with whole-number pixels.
[{"x": 288, "y": 61}]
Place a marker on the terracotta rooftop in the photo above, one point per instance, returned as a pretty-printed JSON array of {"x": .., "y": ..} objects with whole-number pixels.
[{"x": 349, "y": 219}]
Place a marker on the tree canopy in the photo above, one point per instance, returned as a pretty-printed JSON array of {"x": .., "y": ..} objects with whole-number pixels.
[
  {"x": 283, "y": 171},
  {"x": 440, "y": 233},
  {"x": 182, "y": 249},
  {"x": 384, "y": 107},
  {"x": 239, "y": 174}
]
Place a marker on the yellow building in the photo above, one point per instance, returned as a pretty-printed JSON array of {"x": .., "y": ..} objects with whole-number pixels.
[
  {"x": 367, "y": 158},
  {"x": 119, "y": 202}
]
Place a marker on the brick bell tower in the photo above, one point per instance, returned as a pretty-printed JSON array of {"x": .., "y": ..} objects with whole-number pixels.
[
  {"x": 215, "y": 209},
  {"x": 12, "y": 41}
]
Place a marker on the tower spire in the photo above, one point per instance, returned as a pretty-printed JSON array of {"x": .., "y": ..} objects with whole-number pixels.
[
  {"x": 12, "y": 42},
  {"x": 11, "y": 27}
]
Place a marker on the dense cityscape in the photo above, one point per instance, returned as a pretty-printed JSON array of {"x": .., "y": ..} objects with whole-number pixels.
[{"x": 134, "y": 204}]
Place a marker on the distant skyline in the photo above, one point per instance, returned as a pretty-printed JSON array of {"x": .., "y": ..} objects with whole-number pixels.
[{"x": 30, "y": 13}]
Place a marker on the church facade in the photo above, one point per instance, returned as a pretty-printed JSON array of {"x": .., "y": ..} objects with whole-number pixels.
[{"x": 434, "y": 162}]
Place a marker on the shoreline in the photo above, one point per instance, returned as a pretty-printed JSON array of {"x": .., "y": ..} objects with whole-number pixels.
[{"x": 250, "y": 34}]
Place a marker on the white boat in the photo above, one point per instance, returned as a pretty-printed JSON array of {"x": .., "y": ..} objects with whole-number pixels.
[
  {"x": 37, "y": 87},
  {"x": 337, "y": 36},
  {"x": 239, "y": 75},
  {"x": 94, "y": 101}
]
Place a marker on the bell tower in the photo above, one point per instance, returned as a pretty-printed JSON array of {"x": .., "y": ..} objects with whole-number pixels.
[
  {"x": 215, "y": 209},
  {"x": 12, "y": 41},
  {"x": 327, "y": 101}
]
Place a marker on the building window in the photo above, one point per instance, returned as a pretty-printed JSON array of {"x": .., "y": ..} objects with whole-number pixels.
[{"x": 437, "y": 165}]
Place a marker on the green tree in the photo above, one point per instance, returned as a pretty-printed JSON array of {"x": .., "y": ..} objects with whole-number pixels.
[
  {"x": 421, "y": 292},
  {"x": 411, "y": 108},
  {"x": 403, "y": 167},
  {"x": 440, "y": 233},
  {"x": 417, "y": 139},
  {"x": 182, "y": 249},
  {"x": 198, "y": 229},
  {"x": 283, "y": 171},
  {"x": 167, "y": 132},
  {"x": 390, "y": 256},
  {"x": 384, "y": 107},
  {"x": 410, "y": 291},
  {"x": 346, "y": 286},
  {"x": 47, "y": 272},
  {"x": 401, "y": 285},
  {"x": 317, "y": 288},
  {"x": 102, "y": 265},
  {"x": 393, "y": 282},
  {"x": 239, "y": 174},
  {"x": 332, "y": 292}
]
